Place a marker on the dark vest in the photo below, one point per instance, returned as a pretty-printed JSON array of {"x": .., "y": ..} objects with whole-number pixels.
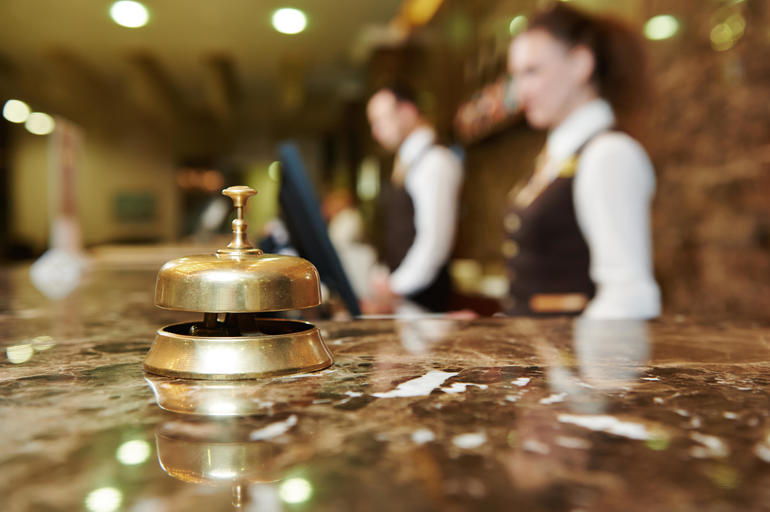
[
  {"x": 546, "y": 255},
  {"x": 399, "y": 237}
]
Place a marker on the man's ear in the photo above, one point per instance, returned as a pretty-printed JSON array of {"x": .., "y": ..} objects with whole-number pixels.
[
  {"x": 583, "y": 63},
  {"x": 408, "y": 114},
  {"x": 409, "y": 109}
]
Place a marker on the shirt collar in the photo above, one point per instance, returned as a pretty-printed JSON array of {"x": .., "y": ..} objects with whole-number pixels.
[
  {"x": 414, "y": 144},
  {"x": 582, "y": 124}
]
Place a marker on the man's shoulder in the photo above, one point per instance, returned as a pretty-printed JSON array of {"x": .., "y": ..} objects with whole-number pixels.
[{"x": 439, "y": 154}]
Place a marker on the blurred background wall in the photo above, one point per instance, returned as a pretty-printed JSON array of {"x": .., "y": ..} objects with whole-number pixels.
[{"x": 197, "y": 99}]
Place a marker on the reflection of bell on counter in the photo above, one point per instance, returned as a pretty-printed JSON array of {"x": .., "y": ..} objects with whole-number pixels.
[
  {"x": 229, "y": 287},
  {"x": 214, "y": 453},
  {"x": 230, "y": 398},
  {"x": 217, "y": 454}
]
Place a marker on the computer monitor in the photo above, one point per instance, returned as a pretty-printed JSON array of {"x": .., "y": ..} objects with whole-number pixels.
[{"x": 302, "y": 215}]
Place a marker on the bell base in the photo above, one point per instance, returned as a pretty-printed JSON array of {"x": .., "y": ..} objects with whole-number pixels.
[{"x": 274, "y": 347}]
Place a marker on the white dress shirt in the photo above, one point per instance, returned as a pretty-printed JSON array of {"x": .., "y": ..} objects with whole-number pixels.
[
  {"x": 433, "y": 179},
  {"x": 613, "y": 187}
]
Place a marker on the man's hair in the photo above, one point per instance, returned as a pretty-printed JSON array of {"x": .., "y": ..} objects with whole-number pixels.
[{"x": 403, "y": 92}]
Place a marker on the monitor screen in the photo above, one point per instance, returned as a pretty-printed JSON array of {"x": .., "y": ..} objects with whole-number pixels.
[{"x": 302, "y": 215}]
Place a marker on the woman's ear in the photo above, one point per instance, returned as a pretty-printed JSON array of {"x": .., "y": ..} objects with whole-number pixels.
[{"x": 583, "y": 63}]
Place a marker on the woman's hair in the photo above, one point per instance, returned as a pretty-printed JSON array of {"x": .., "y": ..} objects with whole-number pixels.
[{"x": 620, "y": 74}]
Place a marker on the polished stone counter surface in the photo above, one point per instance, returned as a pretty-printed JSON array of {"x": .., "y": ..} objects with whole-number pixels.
[{"x": 415, "y": 415}]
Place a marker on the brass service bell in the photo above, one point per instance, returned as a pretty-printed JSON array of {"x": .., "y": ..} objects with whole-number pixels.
[{"x": 229, "y": 287}]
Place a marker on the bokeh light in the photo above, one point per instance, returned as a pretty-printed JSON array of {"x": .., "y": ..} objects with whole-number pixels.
[
  {"x": 39, "y": 123},
  {"x": 130, "y": 14},
  {"x": 105, "y": 499},
  {"x": 724, "y": 35},
  {"x": 517, "y": 24},
  {"x": 661, "y": 27},
  {"x": 16, "y": 111},
  {"x": 295, "y": 490},
  {"x": 368, "y": 186},
  {"x": 18, "y": 354},
  {"x": 133, "y": 452},
  {"x": 289, "y": 21},
  {"x": 274, "y": 171}
]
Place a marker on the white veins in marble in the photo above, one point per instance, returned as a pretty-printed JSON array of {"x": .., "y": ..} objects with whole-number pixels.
[
  {"x": 274, "y": 429},
  {"x": 610, "y": 425},
  {"x": 535, "y": 446},
  {"x": 469, "y": 441},
  {"x": 421, "y": 386},
  {"x": 712, "y": 446},
  {"x": 553, "y": 399},
  {"x": 762, "y": 449},
  {"x": 422, "y": 436},
  {"x": 573, "y": 442},
  {"x": 460, "y": 387}
]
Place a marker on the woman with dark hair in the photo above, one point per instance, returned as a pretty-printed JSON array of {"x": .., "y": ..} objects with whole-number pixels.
[{"x": 578, "y": 232}]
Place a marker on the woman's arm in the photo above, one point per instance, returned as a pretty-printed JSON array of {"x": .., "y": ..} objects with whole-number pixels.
[{"x": 613, "y": 189}]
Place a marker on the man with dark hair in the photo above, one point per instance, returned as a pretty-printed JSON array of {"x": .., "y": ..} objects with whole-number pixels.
[{"x": 428, "y": 177}]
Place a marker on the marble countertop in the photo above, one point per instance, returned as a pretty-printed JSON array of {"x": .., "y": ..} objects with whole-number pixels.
[{"x": 415, "y": 415}]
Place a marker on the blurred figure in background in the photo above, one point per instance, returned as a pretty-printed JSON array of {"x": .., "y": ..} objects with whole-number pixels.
[
  {"x": 426, "y": 179},
  {"x": 346, "y": 232},
  {"x": 578, "y": 232}
]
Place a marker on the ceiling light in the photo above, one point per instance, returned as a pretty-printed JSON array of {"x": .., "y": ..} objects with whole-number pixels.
[
  {"x": 289, "y": 21},
  {"x": 39, "y": 123},
  {"x": 660, "y": 27},
  {"x": 128, "y": 13},
  {"x": 15, "y": 111}
]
